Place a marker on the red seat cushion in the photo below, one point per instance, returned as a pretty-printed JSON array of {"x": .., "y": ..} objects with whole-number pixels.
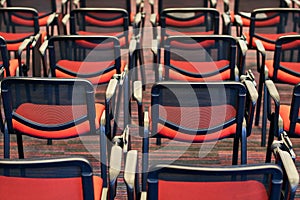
[
  {"x": 270, "y": 36},
  {"x": 195, "y": 119},
  {"x": 285, "y": 115},
  {"x": 185, "y": 23},
  {"x": 16, "y": 188},
  {"x": 46, "y": 114},
  {"x": 200, "y": 68},
  {"x": 282, "y": 75},
  {"x": 86, "y": 68},
  {"x": 246, "y": 190},
  {"x": 122, "y": 38}
]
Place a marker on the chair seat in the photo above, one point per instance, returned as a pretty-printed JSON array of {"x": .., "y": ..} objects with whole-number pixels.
[
  {"x": 120, "y": 35},
  {"x": 88, "y": 70},
  {"x": 284, "y": 76},
  {"x": 217, "y": 70},
  {"x": 285, "y": 115},
  {"x": 269, "y": 46},
  {"x": 52, "y": 115},
  {"x": 246, "y": 190},
  {"x": 17, "y": 188},
  {"x": 185, "y": 118},
  {"x": 185, "y": 22}
]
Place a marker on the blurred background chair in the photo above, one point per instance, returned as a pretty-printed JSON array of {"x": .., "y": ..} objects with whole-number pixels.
[
  {"x": 48, "y": 16},
  {"x": 17, "y": 25},
  {"x": 238, "y": 12}
]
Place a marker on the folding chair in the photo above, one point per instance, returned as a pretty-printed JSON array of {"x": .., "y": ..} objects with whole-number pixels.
[
  {"x": 240, "y": 13},
  {"x": 278, "y": 180},
  {"x": 281, "y": 69},
  {"x": 282, "y": 117},
  {"x": 47, "y": 13},
  {"x": 53, "y": 109},
  {"x": 190, "y": 112},
  {"x": 52, "y": 178},
  {"x": 202, "y": 58}
]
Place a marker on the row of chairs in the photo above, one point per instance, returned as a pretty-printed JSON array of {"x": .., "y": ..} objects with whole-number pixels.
[{"x": 180, "y": 45}]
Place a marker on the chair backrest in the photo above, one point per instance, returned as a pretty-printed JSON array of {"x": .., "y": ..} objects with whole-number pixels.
[
  {"x": 201, "y": 57},
  {"x": 4, "y": 58},
  {"x": 62, "y": 103},
  {"x": 44, "y": 9},
  {"x": 124, "y": 4},
  {"x": 242, "y": 7},
  {"x": 294, "y": 112},
  {"x": 96, "y": 58},
  {"x": 60, "y": 178},
  {"x": 190, "y": 112},
  {"x": 189, "y": 21},
  {"x": 17, "y": 24},
  {"x": 100, "y": 21},
  {"x": 244, "y": 182},
  {"x": 286, "y": 59},
  {"x": 163, "y": 4},
  {"x": 268, "y": 24}
]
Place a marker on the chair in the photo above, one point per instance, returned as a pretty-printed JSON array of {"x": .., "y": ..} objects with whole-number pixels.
[
  {"x": 281, "y": 69},
  {"x": 14, "y": 66},
  {"x": 100, "y": 21},
  {"x": 47, "y": 13},
  {"x": 202, "y": 58},
  {"x": 59, "y": 178},
  {"x": 54, "y": 109},
  {"x": 164, "y": 4},
  {"x": 240, "y": 13},
  {"x": 268, "y": 24},
  {"x": 17, "y": 25},
  {"x": 183, "y": 21},
  {"x": 282, "y": 117},
  {"x": 278, "y": 180},
  {"x": 177, "y": 107},
  {"x": 92, "y": 57}
]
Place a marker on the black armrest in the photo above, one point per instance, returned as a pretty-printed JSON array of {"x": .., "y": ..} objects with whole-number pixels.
[
  {"x": 260, "y": 51},
  {"x": 226, "y": 6},
  {"x": 151, "y": 2},
  {"x": 226, "y": 23}
]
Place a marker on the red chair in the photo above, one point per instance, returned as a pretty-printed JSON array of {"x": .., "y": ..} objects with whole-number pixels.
[
  {"x": 47, "y": 13},
  {"x": 18, "y": 24},
  {"x": 202, "y": 58},
  {"x": 238, "y": 13},
  {"x": 278, "y": 180},
  {"x": 52, "y": 178},
  {"x": 190, "y": 112},
  {"x": 281, "y": 69}
]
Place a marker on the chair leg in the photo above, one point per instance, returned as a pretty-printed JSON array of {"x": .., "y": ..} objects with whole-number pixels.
[
  {"x": 20, "y": 146},
  {"x": 270, "y": 141},
  {"x": 235, "y": 151},
  {"x": 244, "y": 146},
  {"x": 259, "y": 100},
  {"x": 264, "y": 118},
  {"x": 6, "y": 143}
]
